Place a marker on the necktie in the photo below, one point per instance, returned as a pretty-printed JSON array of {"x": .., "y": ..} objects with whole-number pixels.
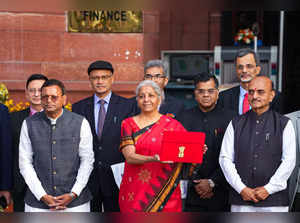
[
  {"x": 246, "y": 106},
  {"x": 101, "y": 118}
]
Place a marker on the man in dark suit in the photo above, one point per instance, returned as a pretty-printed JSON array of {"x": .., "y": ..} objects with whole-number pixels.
[
  {"x": 6, "y": 161},
  {"x": 157, "y": 71},
  {"x": 247, "y": 67},
  {"x": 207, "y": 189},
  {"x": 33, "y": 95},
  {"x": 105, "y": 111}
]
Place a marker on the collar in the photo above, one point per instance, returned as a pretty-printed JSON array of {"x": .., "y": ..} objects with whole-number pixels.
[
  {"x": 242, "y": 91},
  {"x": 53, "y": 120},
  {"x": 106, "y": 98},
  {"x": 33, "y": 111}
]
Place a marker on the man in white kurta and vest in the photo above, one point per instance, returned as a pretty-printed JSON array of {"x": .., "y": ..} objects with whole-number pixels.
[
  {"x": 258, "y": 154},
  {"x": 56, "y": 155}
]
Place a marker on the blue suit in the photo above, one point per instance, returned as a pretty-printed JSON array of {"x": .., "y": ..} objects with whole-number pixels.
[{"x": 6, "y": 158}]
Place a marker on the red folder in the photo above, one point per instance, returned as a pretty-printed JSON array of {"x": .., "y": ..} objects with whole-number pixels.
[{"x": 185, "y": 147}]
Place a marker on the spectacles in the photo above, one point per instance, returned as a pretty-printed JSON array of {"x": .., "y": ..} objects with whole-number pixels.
[
  {"x": 53, "y": 98},
  {"x": 248, "y": 66},
  {"x": 154, "y": 76},
  {"x": 203, "y": 91},
  {"x": 102, "y": 78},
  {"x": 34, "y": 90}
]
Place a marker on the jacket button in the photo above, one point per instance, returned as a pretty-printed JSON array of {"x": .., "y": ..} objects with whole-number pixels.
[
  {"x": 99, "y": 163},
  {"x": 54, "y": 142},
  {"x": 54, "y": 172},
  {"x": 54, "y": 157},
  {"x": 54, "y": 187},
  {"x": 254, "y": 168},
  {"x": 100, "y": 147}
]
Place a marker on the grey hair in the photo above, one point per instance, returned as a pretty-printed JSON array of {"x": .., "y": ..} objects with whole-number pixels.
[
  {"x": 158, "y": 63},
  {"x": 152, "y": 84},
  {"x": 245, "y": 51}
]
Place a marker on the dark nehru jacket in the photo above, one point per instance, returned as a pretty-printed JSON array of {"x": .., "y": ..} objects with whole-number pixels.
[
  {"x": 258, "y": 152},
  {"x": 214, "y": 124}
]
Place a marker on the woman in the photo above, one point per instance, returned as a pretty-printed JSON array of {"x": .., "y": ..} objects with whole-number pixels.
[{"x": 148, "y": 184}]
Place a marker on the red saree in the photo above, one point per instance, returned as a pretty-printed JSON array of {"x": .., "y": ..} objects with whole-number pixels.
[{"x": 152, "y": 186}]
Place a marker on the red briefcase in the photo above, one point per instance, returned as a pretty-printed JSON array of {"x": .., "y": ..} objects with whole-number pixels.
[{"x": 185, "y": 147}]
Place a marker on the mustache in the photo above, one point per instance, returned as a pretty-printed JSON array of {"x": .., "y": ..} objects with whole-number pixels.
[{"x": 254, "y": 100}]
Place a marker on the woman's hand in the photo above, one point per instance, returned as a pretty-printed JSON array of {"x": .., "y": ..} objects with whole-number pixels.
[
  {"x": 157, "y": 158},
  {"x": 205, "y": 148}
]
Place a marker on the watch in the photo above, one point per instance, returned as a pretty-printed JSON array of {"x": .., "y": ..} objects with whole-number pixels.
[
  {"x": 211, "y": 183},
  {"x": 73, "y": 196}
]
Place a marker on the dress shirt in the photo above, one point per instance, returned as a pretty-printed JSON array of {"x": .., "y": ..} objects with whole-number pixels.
[
  {"x": 241, "y": 99},
  {"x": 97, "y": 107},
  {"x": 85, "y": 152},
  {"x": 33, "y": 111},
  {"x": 278, "y": 181}
]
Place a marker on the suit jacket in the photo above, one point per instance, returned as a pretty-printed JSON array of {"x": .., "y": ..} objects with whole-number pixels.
[
  {"x": 230, "y": 99},
  {"x": 6, "y": 160},
  {"x": 17, "y": 119},
  {"x": 107, "y": 149},
  {"x": 170, "y": 105},
  {"x": 295, "y": 177}
]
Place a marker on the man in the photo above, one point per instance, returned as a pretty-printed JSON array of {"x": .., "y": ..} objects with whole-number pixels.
[
  {"x": 157, "y": 71},
  {"x": 294, "y": 189},
  {"x": 247, "y": 67},
  {"x": 208, "y": 190},
  {"x": 33, "y": 95},
  {"x": 258, "y": 154},
  {"x": 105, "y": 111},
  {"x": 56, "y": 155},
  {"x": 6, "y": 161}
]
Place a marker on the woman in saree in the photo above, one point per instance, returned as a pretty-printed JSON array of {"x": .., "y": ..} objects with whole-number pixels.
[{"x": 148, "y": 185}]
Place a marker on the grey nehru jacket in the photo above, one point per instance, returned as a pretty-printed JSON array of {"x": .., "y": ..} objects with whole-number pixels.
[{"x": 56, "y": 159}]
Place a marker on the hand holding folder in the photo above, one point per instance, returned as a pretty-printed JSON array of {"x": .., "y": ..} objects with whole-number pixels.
[{"x": 185, "y": 147}]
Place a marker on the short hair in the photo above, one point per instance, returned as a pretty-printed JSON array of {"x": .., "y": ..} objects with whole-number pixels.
[
  {"x": 152, "y": 84},
  {"x": 54, "y": 82},
  {"x": 204, "y": 77},
  {"x": 34, "y": 77},
  {"x": 158, "y": 63},
  {"x": 245, "y": 51}
]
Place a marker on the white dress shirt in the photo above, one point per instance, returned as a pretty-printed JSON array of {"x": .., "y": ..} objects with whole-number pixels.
[
  {"x": 278, "y": 181},
  {"x": 85, "y": 152}
]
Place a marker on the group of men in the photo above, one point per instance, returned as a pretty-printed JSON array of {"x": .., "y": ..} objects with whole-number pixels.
[{"x": 251, "y": 146}]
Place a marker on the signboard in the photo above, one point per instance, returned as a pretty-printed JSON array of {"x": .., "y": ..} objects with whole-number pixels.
[{"x": 108, "y": 21}]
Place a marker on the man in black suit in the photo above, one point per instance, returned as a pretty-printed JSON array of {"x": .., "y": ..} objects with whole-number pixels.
[
  {"x": 105, "y": 111},
  {"x": 6, "y": 161},
  {"x": 247, "y": 67},
  {"x": 207, "y": 188},
  {"x": 33, "y": 95},
  {"x": 157, "y": 71}
]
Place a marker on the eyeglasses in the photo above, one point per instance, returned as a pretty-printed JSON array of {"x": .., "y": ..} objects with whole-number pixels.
[
  {"x": 34, "y": 90},
  {"x": 102, "y": 78},
  {"x": 248, "y": 66},
  {"x": 203, "y": 91},
  {"x": 53, "y": 98},
  {"x": 154, "y": 76}
]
